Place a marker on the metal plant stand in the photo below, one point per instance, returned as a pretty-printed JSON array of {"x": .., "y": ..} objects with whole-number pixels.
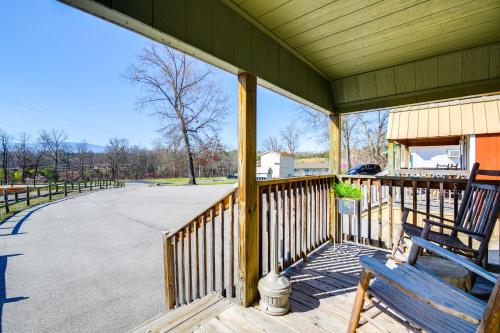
[{"x": 349, "y": 207}]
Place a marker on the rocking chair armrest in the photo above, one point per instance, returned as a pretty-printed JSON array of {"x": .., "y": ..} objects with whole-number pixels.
[
  {"x": 429, "y": 246},
  {"x": 407, "y": 285},
  {"x": 451, "y": 227},
  {"x": 430, "y": 215}
]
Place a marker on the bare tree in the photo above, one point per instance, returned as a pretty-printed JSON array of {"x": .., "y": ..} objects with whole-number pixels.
[
  {"x": 38, "y": 151},
  {"x": 272, "y": 143},
  {"x": 316, "y": 123},
  {"x": 5, "y": 146},
  {"x": 24, "y": 154},
  {"x": 348, "y": 135},
  {"x": 82, "y": 152},
  {"x": 290, "y": 137},
  {"x": 189, "y": 104},
  {"x": 116, "y": 152},
  {"x": 53, "y": 142},
  {"x": 375, "y": 129}
]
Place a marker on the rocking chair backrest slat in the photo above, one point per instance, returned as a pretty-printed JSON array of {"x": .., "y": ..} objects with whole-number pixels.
[{"x": 480, "y": 208}]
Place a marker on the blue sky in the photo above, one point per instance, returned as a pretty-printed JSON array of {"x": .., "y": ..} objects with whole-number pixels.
[{"x": 62, "y": 68}]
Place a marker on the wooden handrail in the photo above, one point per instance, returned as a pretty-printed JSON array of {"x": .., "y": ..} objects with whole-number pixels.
[
  {"x": 206, "y": 211},
  {"x": 302, "y": 207},
  {"x": 190, "y": 272},
  {"x": 291, "y": 180}
]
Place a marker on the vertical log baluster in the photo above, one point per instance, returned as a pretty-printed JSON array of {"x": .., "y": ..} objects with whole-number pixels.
[
  {"x": 379, "y": 228},
  {"x": 197, "y": 277},
  {"x": 283, "y": 224},
  {"x": 306, "y": 218},
  {"x": 317, "y": 216},
  {"x": 289, "y": 204},
  {"x": 205, "y": 255},
  {"x": 441, "y": 204},
  {"x": 414, "y": 200},
  {"x": 189, "y": 275},
  {"x": 182, "y": 270},
  {"x": 221, "y": 253},
  {"x": 212, "y": 249},
  {"x": 176, "y": 270},
  {"x": 402, "y": 196},
  {"x": 358, "y": 216},
  {"x": 262, "y": 216},
  {"x": 391, "y": 215},
  {"x": 231, "y": 245},
  {"x": 276, "y": 221},
  {"x": 298, "y": 220},
  {"x": 369, "y": 207},
  {"x": 428, "y": 199},
  {"x": 268, "y": 230},
  {"x": 303, "y": 222}
]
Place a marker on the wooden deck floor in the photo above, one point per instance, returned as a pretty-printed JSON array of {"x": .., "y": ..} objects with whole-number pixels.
[{"x": 322, "y": 295}]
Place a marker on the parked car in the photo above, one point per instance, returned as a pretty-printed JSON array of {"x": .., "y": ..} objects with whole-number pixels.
[
  {"x": 365, "y": 169},
  {"x": 232, "y": 176}
]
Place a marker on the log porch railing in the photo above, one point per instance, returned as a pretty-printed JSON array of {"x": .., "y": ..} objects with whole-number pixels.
[
  {"x": 202, "y": 256},
  {"x": 199, "y": 257},
  {"x": 384, "y": 199},
  {"x": 301, "y": 206}
]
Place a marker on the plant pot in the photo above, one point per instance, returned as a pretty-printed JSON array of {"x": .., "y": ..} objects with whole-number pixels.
[{"x": 347, "y": 206}]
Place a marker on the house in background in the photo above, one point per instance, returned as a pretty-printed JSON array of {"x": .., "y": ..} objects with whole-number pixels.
[
  {"x": 311, "y": 166},
  {"x": 447, "y": 134},
  {"x": 275, "y": 164}
]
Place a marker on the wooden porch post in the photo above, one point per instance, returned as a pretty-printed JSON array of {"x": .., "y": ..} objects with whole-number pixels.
[
  {"x": 335, "y": 131},
  {"x": 390, "y": 155},
  {"x": 407, "y": 156},
  {"x": 248, "y": 254},
  {"x": 400, "y": 158}
]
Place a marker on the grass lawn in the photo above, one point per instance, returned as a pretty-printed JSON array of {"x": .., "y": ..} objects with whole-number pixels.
[{"x": 199, "y": 181}]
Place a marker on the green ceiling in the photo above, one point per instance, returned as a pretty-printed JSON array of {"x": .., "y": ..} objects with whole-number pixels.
[
  {"x": 343, "y": 38},
  {"x": 339, "y": 55}
]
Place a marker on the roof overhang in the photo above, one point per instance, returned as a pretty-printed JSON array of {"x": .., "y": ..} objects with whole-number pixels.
[
  {"x": 338, "y": 56},
  {"x": 446, "y": 119}
]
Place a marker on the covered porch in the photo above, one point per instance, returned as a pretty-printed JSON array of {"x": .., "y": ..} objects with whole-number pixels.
[{"x": 335, "y": 58}]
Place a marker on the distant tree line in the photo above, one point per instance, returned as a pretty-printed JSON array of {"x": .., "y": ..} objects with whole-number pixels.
[{"x": 49, "y": 157}]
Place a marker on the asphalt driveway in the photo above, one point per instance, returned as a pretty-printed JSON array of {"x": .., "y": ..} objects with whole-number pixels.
[{"x": 91, "y": 263}]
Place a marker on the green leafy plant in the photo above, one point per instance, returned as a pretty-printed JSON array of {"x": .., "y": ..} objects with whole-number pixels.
[{"x": 347, "y": 191}]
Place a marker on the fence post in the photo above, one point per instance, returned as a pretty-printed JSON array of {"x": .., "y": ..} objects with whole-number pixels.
[
  {"x": 27, "y": 195},
  {"x": 50, "y": 192},
  {"x": 57, "y": 187},
  {"x": 16, "y": 197},
  {"x": 72, "y": 185},
  {"x": 79, "y": 187},
  {"x": 107, "y": 183},
  {"x": 6, "y": 201},
  {"x": 90, "y": 186},
  {"x": 65, "y": 189},
  {"x": 38, "y": 191}
]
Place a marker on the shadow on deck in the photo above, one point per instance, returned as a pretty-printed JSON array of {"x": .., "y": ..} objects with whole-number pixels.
[{"x": 323, "y": 290}]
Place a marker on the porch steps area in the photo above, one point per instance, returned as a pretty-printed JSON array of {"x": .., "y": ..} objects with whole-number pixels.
[{"x": 186, "y": 318}]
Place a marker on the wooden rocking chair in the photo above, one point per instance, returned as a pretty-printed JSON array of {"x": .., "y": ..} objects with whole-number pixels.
[
  {"x": 425, "y": 301},
  {"x": 476, "y": 218}
]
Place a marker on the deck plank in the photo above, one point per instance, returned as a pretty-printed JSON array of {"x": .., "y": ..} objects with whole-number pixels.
[{"x": 323, "y": 289}]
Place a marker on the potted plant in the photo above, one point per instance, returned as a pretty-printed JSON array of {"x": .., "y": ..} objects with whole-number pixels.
[{"x": 348, "y": 196}]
